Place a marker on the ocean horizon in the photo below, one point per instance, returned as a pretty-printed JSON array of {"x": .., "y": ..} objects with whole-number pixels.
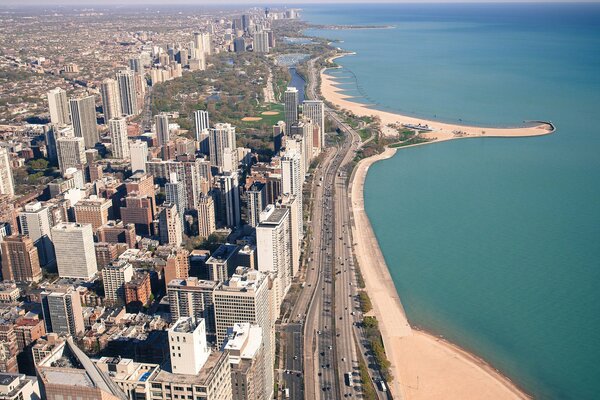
[{"x": 492, "y": 243}]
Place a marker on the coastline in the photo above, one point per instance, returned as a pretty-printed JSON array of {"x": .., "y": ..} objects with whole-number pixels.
[
  {"x": 440, "y": 131},
  {"x": 423, "y": 365}
]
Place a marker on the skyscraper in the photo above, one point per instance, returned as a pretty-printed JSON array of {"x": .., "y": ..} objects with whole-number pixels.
[
  {"x": 75, "y": 255},
  {"x": 83, "y": 114},
  {"x": 70, "y": 152},
  {"x": 256, "y": 202},
  {"x": 273, "y": 241},
  {"x": 246, "y": 297},
  {"x": 315, "y": 111},
  {"x": 221, "y": 136},
  {"x": 118, "y": 137},
  {"x": 175, "y": 194},
  {"x": 291, "y": 183},
  {"x": 290, "y": 98},
  {"x": 192, "y": 297},
  {"x": 61, "y": 307},
  {"x": 230, "y": 191},
  {"x": 202, "y": 42},
  {"x": 20, "y": 261},
  {"x": 138, "y": 152},
  {"x": 114, "y": 277},
  {"x": 7, "y": 185},
  {"x": 161, "y": 122},
  {"x": 206, "y": 215},
  {"x": 135, "y": 64},
  {"x": 111, "y": 100},
  {"x": 127, "y": 92},
  {"x": 201, "y": 123},
  {"x": 169, "y": 225},
  {"x": 239, "y": 45},
  {"x": 261, "y": 42},
  {"x": 59, "y": 107},
  {"x": 36, "y": 222},
  {"x": 246, "y": 349},
  {"x": 94, "y": 211}
]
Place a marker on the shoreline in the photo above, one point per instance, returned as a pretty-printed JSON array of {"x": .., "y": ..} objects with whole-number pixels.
[
  {"x": 424, "y": 366},
  {"x": 440, "y": 131}
]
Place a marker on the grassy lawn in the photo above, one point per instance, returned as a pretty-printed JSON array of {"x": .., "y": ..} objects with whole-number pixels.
[{"x": 267, "y": 120}]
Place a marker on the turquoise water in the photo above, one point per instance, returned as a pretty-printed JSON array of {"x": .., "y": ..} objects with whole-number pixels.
[{"x": 493, "y": 243}]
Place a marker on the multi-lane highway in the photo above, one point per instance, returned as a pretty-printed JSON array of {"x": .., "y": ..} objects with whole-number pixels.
[{"x": 321, "y": 333}]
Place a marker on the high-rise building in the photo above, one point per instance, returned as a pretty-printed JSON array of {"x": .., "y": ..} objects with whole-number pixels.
[
  {"x": 239, "y": 45},
  {"x": 222, "y": 136},
  {"x": 202, "y": 43},
  {"x": 230, "y": 191},
  {"x": 59, "y": 107},
  {"x": 193, "y": 297},
  {"x": 169, "y": 225},
  {"x": 273, "y": 241},
  {"x": 118, "y": 137},
  {"x": 161, "y": 122},
  {"x": 290, "y": 202},
  {"x": 246, "y": 350},
  {"x": 36, "y": 222},
  {"x": 175, "y": 194},
  {"x": 138, "y": 152},
  {"x": 114, "y": 277},
  {"x": 222, "y": 263},
  {"x": 290, "y": 99},
  {"x": 246, "y": 297},
  {"x": 291, "y": 184},
  {"x": 246, "y": 22},
  {"x": 315, "y": 111},
  {"x": 188, "y": 347},
  {"x": 256, "y": 202},
  {"x": 201, "y": 123},
  {"x": 20, "y": 261},
  {"x": 70, "y": 152},
  {"x": 127, "y": 92},
  {"x": 61, "y": 307},
  {"x": 278, "y": 132},
  {"x": 117, "y": 232},
  {"x": 83, "y": 114},
  {"x": 136, "y": 65},
  {"x": 111, "y": 99},
  {"x": 207, "y": 224},
  {"x": 138, "y": 211},
  {"x": 302, "y": 133},
  {"x": 94, "y": 211},
  {"x": 75, "y": 255},
  {"x": 7, "y": 185},
  {"x": 261, "y": 42}
]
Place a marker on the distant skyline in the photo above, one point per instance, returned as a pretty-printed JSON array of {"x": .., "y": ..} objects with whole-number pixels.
[{"x": 82, "y": 3}]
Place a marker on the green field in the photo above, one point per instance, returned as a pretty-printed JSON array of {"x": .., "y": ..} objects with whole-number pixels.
[{"x": 267, "y": 120}]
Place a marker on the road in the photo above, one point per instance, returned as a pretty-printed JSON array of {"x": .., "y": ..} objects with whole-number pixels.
[{"x": 321, "y": 330}]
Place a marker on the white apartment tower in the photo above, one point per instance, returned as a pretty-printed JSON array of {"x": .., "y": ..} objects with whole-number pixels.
[
  {"x": 246, "y": 297},
  {"x": 7, "y": 185},
  {"x": 187, "y": 345},
  {"x": 70, "y": 152},
  {"x": 111, "y": 100},
  {"x": 201, "y": 123},
  {"x": 118, "y": 137},
  {"x": 261, "y": 42},
  {"x": 36, "y": 222},
  {"x": 274, "y": 244},
  {"x": 75, "y": 254},
  {"x": 315, "y": 111},
  {"x": 290, "y": 99},
  {"x": 138, "y": 152},
  {"x": 127, "y": 92},
  {"x": 161, "y": 123},
  {"x": 222, "y": 136},
  {"x": 59, "y": 107},
  {"x": 83, "y": 115}
]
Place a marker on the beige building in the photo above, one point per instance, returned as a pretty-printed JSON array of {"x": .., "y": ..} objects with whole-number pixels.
[
  {"x": 94, "y": 211},
  {"x": 20, "y": 262}
]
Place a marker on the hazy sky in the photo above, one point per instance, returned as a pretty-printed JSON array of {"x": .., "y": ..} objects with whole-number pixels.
[{"x": 256, "y": 2}]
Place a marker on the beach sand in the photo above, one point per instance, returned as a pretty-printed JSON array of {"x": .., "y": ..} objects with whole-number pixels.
[
  {"x": 441, "y": 131},
  {"x": 423, "y": 366}
]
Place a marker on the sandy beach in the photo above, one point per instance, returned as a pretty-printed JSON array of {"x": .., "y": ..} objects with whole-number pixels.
[
  {"x": 424, "y": 366},
  {"x": 440, "y": 131}
]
